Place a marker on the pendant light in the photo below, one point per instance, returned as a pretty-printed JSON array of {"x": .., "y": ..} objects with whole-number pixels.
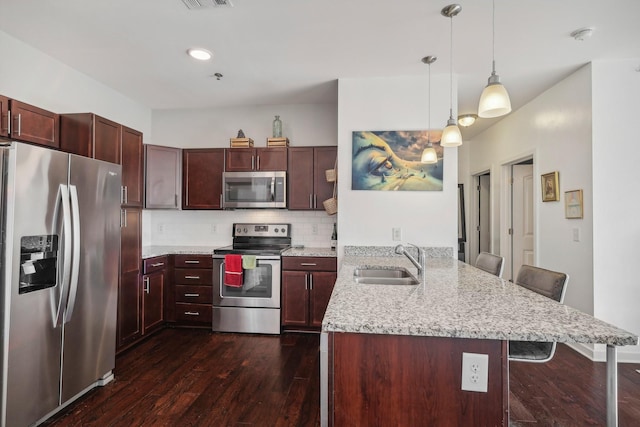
[
  {"x": 429, "y": 155},
  {"x": 494, "y": 101},
  {"x": 451, "y": 136}
]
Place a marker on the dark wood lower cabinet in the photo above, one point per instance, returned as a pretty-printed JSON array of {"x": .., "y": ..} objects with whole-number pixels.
[
  {"x": 129, "y": 306},
  {"x": 385, "y": 380},
  {"x": 153, "y": 286},
  {"x": 307, "y": 283},
  {"x": 192, "y": 290}
]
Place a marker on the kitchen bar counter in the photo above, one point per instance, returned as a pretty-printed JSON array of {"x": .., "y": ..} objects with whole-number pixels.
[
  {"x": 458, "y": 301},
  {"x": 410, "y": 342}
]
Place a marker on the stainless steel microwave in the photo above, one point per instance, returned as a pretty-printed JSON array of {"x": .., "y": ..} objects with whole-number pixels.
[{"x": 254, "y": 190}]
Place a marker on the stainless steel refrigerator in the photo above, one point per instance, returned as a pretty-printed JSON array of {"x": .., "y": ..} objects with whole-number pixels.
[{"x": 59, "y": 267}]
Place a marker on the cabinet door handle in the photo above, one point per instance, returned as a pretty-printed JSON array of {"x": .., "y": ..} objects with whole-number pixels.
[
  {"x": 315, "y": 201},
  {"x": 306, "y": 282},
  {"x": 189, "y": 261},
  {"x": 311, "y": 282},
  {"x": 192, "y": 313},
  {"x": 157, "y": 264},
  {"x": 192, "y": 277},
  {"x": 310, "y": 201},
  {"x": 146, "y": 285},
  {"x": 258, "y": 163},
  {"x": 253, "y": 158},
  {"x": 123, "y": 218},
  {"x": 126, "y": 194},
  {"x": 191, "y": 295},
  {"x": 308, "y": 264}
]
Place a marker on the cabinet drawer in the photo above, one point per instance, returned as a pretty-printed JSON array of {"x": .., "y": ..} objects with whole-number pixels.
[
  {"x": 193, "y": 261},
  {"x": 309, "y": 263},
  {"x": 193, "y": 313},
  {"x": 193, "y": 276},
  {"x": 194, "y": 294},
  {"x": 151, "y": 265}
]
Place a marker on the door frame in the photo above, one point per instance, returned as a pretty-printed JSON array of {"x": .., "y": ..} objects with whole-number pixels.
[
  {"x": 506, "y": 208},
  {"x": 473, "y": 241}
]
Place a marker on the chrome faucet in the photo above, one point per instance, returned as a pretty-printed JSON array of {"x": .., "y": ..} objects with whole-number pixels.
[{"x": 420, "y": 263}]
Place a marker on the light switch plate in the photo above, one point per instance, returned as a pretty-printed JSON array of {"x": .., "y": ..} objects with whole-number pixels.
[
  {"x": 396, "y": 233},
  {"x": 475, "y": 372}
]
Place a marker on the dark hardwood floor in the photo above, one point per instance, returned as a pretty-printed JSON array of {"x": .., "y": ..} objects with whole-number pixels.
[{"x": 183, "y": 377}]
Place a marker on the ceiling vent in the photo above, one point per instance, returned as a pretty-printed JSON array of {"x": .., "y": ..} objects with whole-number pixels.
[{"x": 206, "y": 4}]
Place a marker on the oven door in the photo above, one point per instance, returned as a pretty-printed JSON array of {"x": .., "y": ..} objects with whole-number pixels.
[{"x": 260, "y": 288}]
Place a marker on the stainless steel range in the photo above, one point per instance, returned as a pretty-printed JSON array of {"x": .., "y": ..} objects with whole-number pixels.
[{"x": 251, "y": 304}]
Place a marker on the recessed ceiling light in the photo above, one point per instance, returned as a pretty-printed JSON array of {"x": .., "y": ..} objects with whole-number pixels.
[
  {"x": 467, "y": 119},
  {"x": 200, "y": 54}
]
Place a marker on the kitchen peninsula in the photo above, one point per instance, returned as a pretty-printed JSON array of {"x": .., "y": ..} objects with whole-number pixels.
[{"x": 394, "y": 353}]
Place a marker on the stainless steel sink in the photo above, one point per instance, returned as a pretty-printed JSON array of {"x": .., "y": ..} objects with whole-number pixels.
[{"x": 384, "y": 276}]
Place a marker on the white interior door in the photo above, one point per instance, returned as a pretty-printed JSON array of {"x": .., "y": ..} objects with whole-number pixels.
[{"x": 522, "y": 217}]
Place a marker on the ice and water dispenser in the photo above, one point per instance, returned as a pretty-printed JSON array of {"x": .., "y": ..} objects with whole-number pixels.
[{"x": 38, "y": 263}]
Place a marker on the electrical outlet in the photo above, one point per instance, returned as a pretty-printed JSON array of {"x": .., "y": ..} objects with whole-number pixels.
[
  {"x": 214, "y": 228},
  {"x": 475, "y": 372},
  {"x": 160, "y": 228},
  {"x": 396, "y": 233},
  {"x": 314, "y": 229}
]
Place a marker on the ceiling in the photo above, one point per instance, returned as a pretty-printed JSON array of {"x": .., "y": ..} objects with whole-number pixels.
[{"x": 293, "y": 51}]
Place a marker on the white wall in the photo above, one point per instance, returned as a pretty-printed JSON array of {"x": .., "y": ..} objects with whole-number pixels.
[
  {"x": 31, "y": 76},
  {"x": 304, "y": 125},
  {"x": 427, "y": 218},
  {"x": 616, "y": 235},
  {"x": 564, "y": 128}
]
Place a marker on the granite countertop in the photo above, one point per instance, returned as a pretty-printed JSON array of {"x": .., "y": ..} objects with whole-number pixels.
[
  {"x": 304, "y": 251},
  {"x": 458, "y": 301},
  {"x": 152, "y": 251}
]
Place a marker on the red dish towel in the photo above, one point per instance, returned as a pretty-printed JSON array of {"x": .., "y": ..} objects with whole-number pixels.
[{"x": 233, "y": 271}]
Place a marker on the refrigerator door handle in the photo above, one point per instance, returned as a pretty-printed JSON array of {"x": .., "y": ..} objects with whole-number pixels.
[
  {"x": 63, "y": 197},
  {"x": 75, "y": 259}
]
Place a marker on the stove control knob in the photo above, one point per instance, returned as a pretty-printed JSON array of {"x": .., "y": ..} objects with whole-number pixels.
[
  {"x": 282, "y": 229},
  {"x": 276, "y": 230},
  {"x": 238, "y": 230},
  {"x": 244, "y": 229}
]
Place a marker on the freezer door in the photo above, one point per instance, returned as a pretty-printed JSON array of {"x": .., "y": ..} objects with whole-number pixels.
[
  {"x": 31, "y": 343},
  {"x": 90, "y": 316}
]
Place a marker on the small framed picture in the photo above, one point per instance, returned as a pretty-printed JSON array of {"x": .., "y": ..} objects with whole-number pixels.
[
  {"x": 573, "y": 204},
  {"x": 550, "y": 187}
]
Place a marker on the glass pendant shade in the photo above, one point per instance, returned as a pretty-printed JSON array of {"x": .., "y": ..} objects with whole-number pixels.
[
  {"x": 451, "y": 136},
  {"x": 494, "y": 101},
  {"x": 429, "y": 155}
]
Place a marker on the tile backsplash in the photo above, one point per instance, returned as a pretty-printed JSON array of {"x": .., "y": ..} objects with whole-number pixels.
[{"x": 214, "y": 228}]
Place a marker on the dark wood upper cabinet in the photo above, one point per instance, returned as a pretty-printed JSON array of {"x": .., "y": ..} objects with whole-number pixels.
[
  {"x": 132, "y": 161},
  {"x": 256, "y": 159},
  {"x": 4, "y": 116},
  {"x": 202, "y": 178},
  {"x": 107, "y": 140},
  {"x": 163, "y": 166},
  {"x": 89, "y": 135},
  {"x": 24, "y": 122},
  {"x": 307, "y": 183}
]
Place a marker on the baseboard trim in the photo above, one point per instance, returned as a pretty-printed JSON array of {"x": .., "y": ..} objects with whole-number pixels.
[{"x": 598, "y": 352}]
